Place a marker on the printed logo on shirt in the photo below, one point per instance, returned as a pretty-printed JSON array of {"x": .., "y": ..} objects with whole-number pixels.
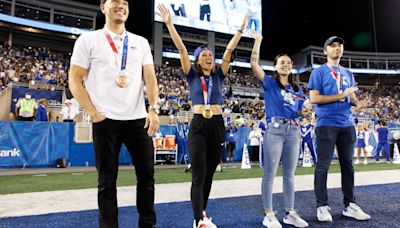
[
  {"x": 345, "y": 82},
  {"x": 288, "y": 98}
]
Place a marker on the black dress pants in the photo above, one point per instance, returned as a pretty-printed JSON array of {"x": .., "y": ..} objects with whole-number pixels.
[
  {"x": 108, "y": 136},
  {"x": 206, "y": 142}
]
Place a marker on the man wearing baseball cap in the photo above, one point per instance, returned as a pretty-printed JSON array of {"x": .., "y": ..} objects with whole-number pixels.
[
  {"x": 332, "y": 91},
  {"x": 333, "y": 39}
]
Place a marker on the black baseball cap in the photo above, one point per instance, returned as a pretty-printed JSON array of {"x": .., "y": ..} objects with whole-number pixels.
[
  {"x": 332, "y": 39},
  {"x": 103, "y": 1}
]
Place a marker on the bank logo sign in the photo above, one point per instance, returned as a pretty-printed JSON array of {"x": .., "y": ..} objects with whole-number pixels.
[{"x": 10, "y": 153}]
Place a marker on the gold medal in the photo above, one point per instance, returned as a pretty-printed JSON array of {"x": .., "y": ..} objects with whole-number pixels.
[
  {"x": 122, "y": 81},
  {"x": 208, "y": 114}
]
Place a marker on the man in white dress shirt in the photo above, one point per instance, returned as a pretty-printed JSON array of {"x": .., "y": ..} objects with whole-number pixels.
[{"x": 109, "y": 69}]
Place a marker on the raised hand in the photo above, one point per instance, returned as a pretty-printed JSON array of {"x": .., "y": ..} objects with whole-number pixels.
[
  {"x": 255, "y": 35},
  {"x": 349, "y": 91},
  {"x": 244, "y": 23},
  {"x": 164, "y": 13}
]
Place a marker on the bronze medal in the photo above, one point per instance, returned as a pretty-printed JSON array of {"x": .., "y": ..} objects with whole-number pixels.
[
  {"x": 208, "y": 114},
  {"x": 122, "y": 81}
]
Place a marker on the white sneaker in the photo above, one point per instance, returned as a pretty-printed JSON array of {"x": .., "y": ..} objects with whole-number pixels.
[
  {"x": 354, "y": 211},
  {"x": 357, "y": 162},
  {"x": 270, "y": 221},
  {"x": 208, "y": 221},
  {"x": 323, "y": 214},
  {"x": 201, "y": 224},
  {"x": 365, "y": 162},
  {"x": 294, "y": 219}
]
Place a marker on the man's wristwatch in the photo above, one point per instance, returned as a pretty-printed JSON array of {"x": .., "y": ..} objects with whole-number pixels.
[{"x": 155, "y": 108}]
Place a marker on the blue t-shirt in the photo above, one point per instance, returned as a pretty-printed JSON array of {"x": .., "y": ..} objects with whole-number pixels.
[
  {"x": 196, "y": 89},
  {"x": 382, "y": 134},
  {"x": 336, "y": 114},
  {"x": 278, "y": 102}
]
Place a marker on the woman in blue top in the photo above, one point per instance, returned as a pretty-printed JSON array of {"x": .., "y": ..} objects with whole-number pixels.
[
  {"x": 282, "y": 137},
  {"x": 207, "y": 130}
]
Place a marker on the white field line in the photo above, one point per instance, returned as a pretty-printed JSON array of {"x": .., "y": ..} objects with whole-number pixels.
[{"x": 37, "y": 203}]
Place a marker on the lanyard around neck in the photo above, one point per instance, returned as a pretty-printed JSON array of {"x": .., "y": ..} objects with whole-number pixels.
[
  {"x": 124, "y": 52},
  {"x": 336, "y": 76},
  {"x": 206, "y": 90}
]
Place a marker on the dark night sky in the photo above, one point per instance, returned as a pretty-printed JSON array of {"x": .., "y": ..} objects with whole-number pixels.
[{"x": 290, "y": 25}]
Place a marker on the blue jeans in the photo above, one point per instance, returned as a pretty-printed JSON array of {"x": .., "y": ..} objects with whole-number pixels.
[
  {"x": 280, "y": 143},
  {"x": 344, "y": 139}
]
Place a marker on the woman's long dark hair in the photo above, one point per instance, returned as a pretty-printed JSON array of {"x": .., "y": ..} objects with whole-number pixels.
[{"x": 290, "y": 79}]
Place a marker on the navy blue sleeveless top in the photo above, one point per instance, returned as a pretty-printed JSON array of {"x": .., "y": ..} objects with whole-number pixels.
[{"x": 196, "y": 89}]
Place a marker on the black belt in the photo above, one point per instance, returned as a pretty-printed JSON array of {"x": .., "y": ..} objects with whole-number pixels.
[{"x": 295, "y": 122}]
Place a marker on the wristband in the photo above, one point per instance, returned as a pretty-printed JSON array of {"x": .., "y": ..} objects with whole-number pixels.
[{"x": 155, "y": 108}]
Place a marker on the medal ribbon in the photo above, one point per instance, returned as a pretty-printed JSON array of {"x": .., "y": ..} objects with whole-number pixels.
[
  {"x": 124, "y": 50},
  {"x": 337, "y": 77},
  {"x": 206, "y": 93}
]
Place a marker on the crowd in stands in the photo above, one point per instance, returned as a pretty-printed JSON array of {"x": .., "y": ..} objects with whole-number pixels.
[
  {"x": 173, "y": 91},
  {"x": 175, "y": 96},
  {"x": 251, "y": 108},
  {"x": 386, "y": 104},
  {"x": 32, "y": 65},
  {"x": 44, "y": 66},
  {"x": 242, "y": 80}
]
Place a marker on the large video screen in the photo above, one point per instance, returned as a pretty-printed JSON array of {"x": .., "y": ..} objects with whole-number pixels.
[{"x": 223, "y": 16}]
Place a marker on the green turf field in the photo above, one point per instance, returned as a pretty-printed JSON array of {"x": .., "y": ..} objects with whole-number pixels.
[{"x": 66, "y": 181}]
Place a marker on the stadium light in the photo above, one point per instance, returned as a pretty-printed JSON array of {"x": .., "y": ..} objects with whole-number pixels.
[{"x": 42, "y": 25}]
